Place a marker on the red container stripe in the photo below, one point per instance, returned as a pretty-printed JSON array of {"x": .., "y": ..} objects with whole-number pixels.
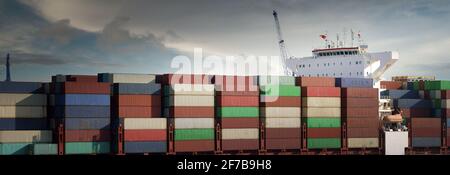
[
  {"x": 283, "y": 133},
  {"x": 238, "y": 93},
  {"x": 194, "y": 146},
  {"x": 425, "y": 123},
  {"x": 237, "y": 101},
  {"x": 358, "y": 122},
  {"x": 237, "y": 145},
  {"x": 191, "y": 112},
  {"x": 426, "y": 132},
  {"x": 323, "y": 132},
  {"x": 283, "y": 144},
  {"x": 391, "y": 85},
  {"x": 184, "y": 79},
  {"x": 145, "y": 135},
  {"x": 239, "y": 123},
  {"x": 359, "y": 92},
  {"x": 362, "y": 132},
  {"x": 321, "y": 92},
  {"x": 360, "y": 112},
  {"x": 359, "y": 102},
  {"x": 315, "y": 81},
  {"x": 87, "y": 135},
  {"x": 137, "y": 100},
  {"x": 416, "y": 112},
  {"x": 281, "y": 102},
  {"x": 82, "y": 78},
  {"x": 234, "y": 80},
  {"x": 84, "y": 88},
  {"x": 138, "y": 111}
]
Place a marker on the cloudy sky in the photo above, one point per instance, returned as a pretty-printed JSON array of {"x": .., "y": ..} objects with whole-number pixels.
[{"x": 48, "y": 37}]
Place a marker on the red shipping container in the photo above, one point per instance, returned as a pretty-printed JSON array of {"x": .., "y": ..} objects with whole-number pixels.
[
  {"x": 445, "y": 94},
  {"x": 280, "y": 101},
  {"x": 168, "y": 79},
  {"x": 145, "y": 135},
  {"x": 239, "y": 123},
  {"x": 394, "y": 85},
  {"x": 321, "y": 92},
  {"x": 362, "y": 132},
  {"x": 82, "y": 78},
  {"x": 194, "y": 146},
  {"x": 315, "y": 81},
  {"x": 358, "y": 122},
  {"x": 238, "y": 93},
  {"x": 416, "y": 112},
  {"x": 87, "y": 135},
  {"x": 426, "y": 132},
  {"x": 236, "y": 87},
  {"x": 237, "y": 145},
  {"x": 190, "y": 112},
  {"x": 138, "y": 111},
  {"x": 360, "y": 92},
  {"x": 359, "y": 102},
  {"x": 137, "y": 100},
  {"x": 421, "y": 85},
  {"x": 82, "y": 88},
  {"x": 234, "y": 80},
  {"x": 323, "y": 132},
  {"x": 283, "y": 144},
  {"x": 445, "y": 113},
  {"x": 237, "y": 101},
  {"x": 360, "y": 112},
  {"x": 425, "y": 123},
  {"x": 283, "y": 133}
]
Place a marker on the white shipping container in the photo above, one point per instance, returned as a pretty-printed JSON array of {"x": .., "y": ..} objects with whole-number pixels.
[
  {"x": 190, "y": 100},
  {"x": 194, "y": 123},
  {"x": 395, "y": 142},
  {"x": 445, "y": 104},
  {"x": 283, "y": 112},
  {"x": 145, "y": 123},
  {"x": 23, "y": 111},
  {"x": 363, "y": 143},
  {"x": 330, "y": 102},
  {"x": 191, "y": 89},
  {"x": 30, "y": 136},
  {"x": 242, "y": 133},
  {"x": 321, "y": 112},
  {"x": 23, "y": 99},
  {"x": 131, "y": 78},
  {"x": 283, "y": 122}
]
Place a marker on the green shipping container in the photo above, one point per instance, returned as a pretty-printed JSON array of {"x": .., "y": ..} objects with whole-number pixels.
[
  {"x": 194, "y": 134},
  {"x": 280, "y": 80},
  {"x": 437, "y": 103},
  {"x": 437, "y": 85},
  {"x": 280, "y": 90},
  {"x": 416, "y": 85},
  {"x": 45, "y": 149},
  {"x": 323, "y": 122},
  {"x": 234, "y": 112},
  {"x": 87, "y": 147},
  {"x": 15, "y": 148},
  {"x": 317, "y": 143}
]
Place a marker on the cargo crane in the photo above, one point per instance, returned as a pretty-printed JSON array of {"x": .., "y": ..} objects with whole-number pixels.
[
  {"x": 283, "y": 50},
  {"x": 8, "y": 72}
]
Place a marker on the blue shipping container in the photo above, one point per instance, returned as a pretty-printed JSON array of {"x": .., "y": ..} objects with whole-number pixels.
[
  {"x": 87, "y": 123},
  {"x": 410, "y": 85},
  {"x": 412, "y": 103},
  {"x": 82, "y": 111},
  {"x": 145, "y": 147},
  {"x": 401, "y": 94},
  {"x": 82, "y": 99},
  {"x": 135, "y": 88},
  {"x": 354, "y": 82},
  {"x": 15, "y": 148},
  {"x": 23, "y": 124},
  {"x": 21, "y": 87},
  {"x": 426, "y": 142}
]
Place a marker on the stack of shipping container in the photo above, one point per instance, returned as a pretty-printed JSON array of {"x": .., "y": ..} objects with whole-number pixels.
[
  {"x": 359, "y": 112},
  {"x": 321, "y": 111},
  {"x": 189, "y": 105},
  {"x": 23, "y": 119},
  {"x": 237, "y": 112},
  {"x": 445, "y": 95},
  {"x": 281, "y": 112},
  {"x": 136, "y": 111},
  {"x": 80, "y": 107}
]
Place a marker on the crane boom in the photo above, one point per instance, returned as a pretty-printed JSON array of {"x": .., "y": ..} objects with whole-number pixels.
[{"x": 283, "y": 51}]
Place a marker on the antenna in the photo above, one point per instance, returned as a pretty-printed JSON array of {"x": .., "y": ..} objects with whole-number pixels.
[{"x": 8, "y": 72}]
